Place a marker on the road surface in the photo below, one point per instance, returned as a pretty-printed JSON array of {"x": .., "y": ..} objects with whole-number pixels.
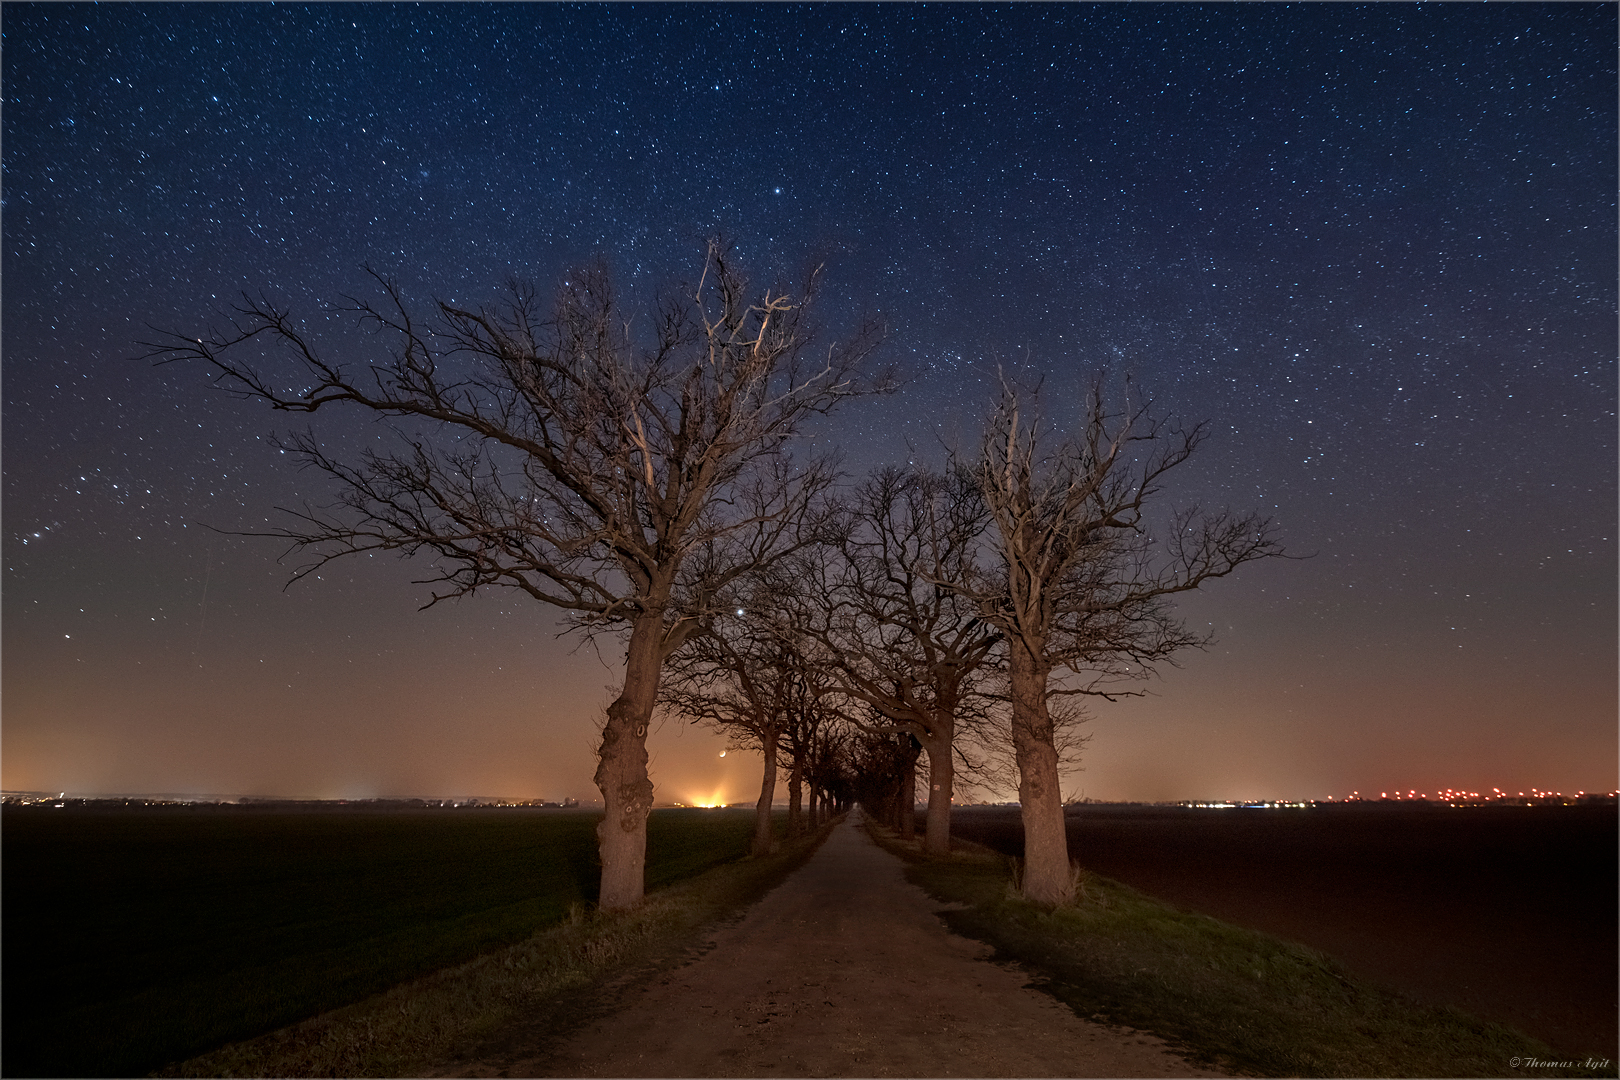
[{"x": 843, "y": 970}]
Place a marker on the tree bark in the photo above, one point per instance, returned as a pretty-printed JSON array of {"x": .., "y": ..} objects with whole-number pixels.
[
  {"x": 621, "y": 772},
  {"x": 1047, "y": 879},
  {"x": 767, "y": 795},
  {"x": 906, "y": 798},
  {"x": 795, "y": 824},
  {"x": 941, "y": 778}
]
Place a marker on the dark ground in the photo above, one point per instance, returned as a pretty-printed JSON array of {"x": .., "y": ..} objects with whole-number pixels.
[
  {"x": 133, "y": 936},
  {"x": 1506, "y": 912}
]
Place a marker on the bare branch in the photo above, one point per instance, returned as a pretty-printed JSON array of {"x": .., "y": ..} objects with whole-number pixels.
[{"x": 627, "y": 483}]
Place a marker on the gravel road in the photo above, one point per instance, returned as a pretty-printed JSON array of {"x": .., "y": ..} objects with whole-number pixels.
[{"x": 843, "y": 970}]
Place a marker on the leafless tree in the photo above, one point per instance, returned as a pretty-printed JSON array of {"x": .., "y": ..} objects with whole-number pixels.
[
  {"x": 827, "y": 767},
  {"x": 808, "y": 713},
  {"x": 1077, "y": 583},
  {"x": 885, "y": 767},
  {"x": 896, "y": 639},
  {"x": 746, "y": 677},
  {"x": 624, "y": 479}
]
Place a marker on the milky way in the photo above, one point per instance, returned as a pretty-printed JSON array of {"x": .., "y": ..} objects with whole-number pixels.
[{"x": 1373, "y": 246}]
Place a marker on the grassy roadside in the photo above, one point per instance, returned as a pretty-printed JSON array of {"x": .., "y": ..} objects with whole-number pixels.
[
  {"x": 412, "y": 1028},
  {"x": 1237, "y": 999}
]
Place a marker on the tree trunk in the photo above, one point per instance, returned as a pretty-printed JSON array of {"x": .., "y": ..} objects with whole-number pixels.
[
  {"x": 767, "y": 795},
  {"x": 621, "y": 771},
  {"x": 907, "y": 796},
  {"x": 795, "y": 782},
  {"x": 1046, "y": 846},
  {"x": 941, "y": 778}
]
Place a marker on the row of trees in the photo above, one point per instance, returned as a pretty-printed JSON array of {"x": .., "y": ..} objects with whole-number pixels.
[{"x": 653, "y": 487}]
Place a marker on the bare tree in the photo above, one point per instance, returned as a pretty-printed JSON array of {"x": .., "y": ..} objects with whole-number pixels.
[
  {"x": 625, "y": 481},
  {"x": 895, "y": 637},
  {"x": 827, "y": 767},
  {"x": 1077, "y": 583},
  {"x": 807, "y": 716},
  {"x": 885, "y": 767},
  {"x": 745, "y": 677}
]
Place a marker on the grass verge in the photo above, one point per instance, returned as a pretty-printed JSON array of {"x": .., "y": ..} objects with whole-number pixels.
[
  {"x": 1236, "y": 999},
  {"x": 417, "y": 1026}
]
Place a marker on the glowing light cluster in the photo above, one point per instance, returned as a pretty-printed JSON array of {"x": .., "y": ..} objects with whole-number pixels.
[
  {"x": 706, "y": 802},
  {"x": 1444, "y": 796},
  {"x": 1463, "y": 797}
]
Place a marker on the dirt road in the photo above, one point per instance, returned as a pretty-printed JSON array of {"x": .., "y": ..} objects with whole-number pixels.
[{"x": 844, "y": 970}]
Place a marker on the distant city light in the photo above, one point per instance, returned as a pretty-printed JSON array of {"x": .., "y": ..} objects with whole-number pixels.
[
  {"x": 1464, "y": 797},
  {"x": 1451, "y": 797}
]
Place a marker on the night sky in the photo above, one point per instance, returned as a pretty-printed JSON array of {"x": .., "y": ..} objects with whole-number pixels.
[{"x": 1375, "y": 246}]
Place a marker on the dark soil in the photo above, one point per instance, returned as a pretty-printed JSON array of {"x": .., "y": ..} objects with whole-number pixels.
[{"x": 1506, "y": 912}]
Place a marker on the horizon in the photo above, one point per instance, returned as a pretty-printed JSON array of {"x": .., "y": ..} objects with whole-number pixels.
[{"x": 517, "y": 802}]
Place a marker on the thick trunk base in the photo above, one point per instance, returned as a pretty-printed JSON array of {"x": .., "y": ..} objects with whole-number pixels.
[
  {"x": 627, "y": 795},
  {"x": 1047, "y": 876},
  {"x": 795, "y": 822},
  {"x": 941, "y": 780},
  {"x": 906, "y": 800},
  {"x": 621, "y": 771},
  {"x": 767, "y": 795}
]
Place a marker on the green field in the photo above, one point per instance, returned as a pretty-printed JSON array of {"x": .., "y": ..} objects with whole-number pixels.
[{"x": 137, "y": 937}]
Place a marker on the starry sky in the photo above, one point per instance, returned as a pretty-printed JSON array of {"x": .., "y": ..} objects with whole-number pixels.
[{"x": 1374, "y": 246}]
